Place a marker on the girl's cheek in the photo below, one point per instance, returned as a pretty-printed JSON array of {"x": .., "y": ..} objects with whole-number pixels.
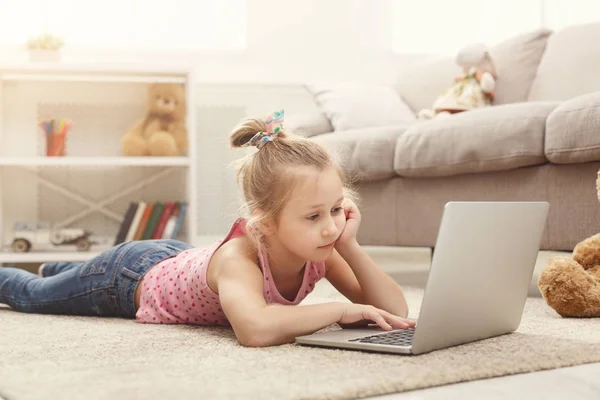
[{"x": 341, "y": 221}]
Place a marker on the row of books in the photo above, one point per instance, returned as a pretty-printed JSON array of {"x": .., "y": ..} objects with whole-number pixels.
[{"x": 151, "y": 220}]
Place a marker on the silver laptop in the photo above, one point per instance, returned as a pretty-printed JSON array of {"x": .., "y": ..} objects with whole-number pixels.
[{"x": 478, "y": 282}]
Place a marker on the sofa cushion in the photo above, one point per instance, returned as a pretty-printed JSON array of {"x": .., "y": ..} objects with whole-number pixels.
[
  {"x": 421, "y": 82},
  {"x": 570, "y": 64},
  {"x": 488, "y": 139},
  {"x": 308, "y": 123},
  {"x": 516, "y": 61},
  {"x": 573, "y": 131},
  {"x": 356, "y": 105},
  {"x": 366, "y": 154}
]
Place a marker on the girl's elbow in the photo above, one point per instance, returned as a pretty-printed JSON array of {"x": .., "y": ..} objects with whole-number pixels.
[
  {"x": 252, "y": 339},
  {"x": 262, "y": 339},
  {"x": 256, "y": 342},
  {"x": 254, "y": 335}
]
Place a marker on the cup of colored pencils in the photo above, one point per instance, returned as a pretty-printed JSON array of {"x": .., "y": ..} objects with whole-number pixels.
[{"x": 56, "y": 131}]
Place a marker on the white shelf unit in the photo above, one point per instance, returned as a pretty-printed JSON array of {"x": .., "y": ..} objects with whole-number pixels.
[
  {"x": 38, "y": 161},
  {"x": 92, "y": 186}
]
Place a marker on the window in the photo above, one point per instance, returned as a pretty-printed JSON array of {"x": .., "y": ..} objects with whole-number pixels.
[
  {"x": 176, "y": 25},
  {"x": 559, "y": 14},
  {"x": 443, "y": 27}
]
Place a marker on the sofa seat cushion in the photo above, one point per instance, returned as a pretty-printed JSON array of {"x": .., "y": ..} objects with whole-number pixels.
[
  {"x": 366, "y": 154},
  {"x": 573, "y": 131},
  {"x": 483, "y": 140}
]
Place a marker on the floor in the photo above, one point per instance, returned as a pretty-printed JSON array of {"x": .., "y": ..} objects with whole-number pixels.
[
  {"x": 575, "y": 383},
  {"x": 410, "y": 266}
]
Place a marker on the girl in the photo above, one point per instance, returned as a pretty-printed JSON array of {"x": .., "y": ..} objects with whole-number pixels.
[{"x": 301, "y": 227}]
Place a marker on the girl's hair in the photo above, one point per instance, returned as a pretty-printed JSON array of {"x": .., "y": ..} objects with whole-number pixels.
[{"x": 267, "y": 176}]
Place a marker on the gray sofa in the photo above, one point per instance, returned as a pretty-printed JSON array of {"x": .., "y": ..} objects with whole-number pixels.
[{"x": 540, "y": 141}]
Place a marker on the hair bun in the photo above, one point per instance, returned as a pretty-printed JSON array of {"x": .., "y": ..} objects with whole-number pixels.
[{"x": 246, "y": 130}]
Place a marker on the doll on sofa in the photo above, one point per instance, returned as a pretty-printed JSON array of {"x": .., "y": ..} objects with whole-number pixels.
[{"x": 473, "y": 89}]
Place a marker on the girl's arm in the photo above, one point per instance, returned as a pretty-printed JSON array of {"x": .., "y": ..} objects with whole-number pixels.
[
  {"x": 361, "y": 280},
  {"x": 357, "y": 276},
  {"x": 256, "y": 324}
]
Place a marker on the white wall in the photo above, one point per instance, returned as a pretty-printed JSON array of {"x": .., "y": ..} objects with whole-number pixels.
[
  {"x": 310, "y": 40},
  {"x": 289, "y": 42},
  {"x": 351, "y": 40}
]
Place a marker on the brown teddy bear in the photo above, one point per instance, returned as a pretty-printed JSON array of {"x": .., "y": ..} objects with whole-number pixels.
[
  {"x": 162, "y": 132},
  {"x": 572, "y": 286}
]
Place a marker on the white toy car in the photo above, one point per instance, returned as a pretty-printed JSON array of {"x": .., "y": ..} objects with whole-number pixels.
[{"x": 31, "y": 235}]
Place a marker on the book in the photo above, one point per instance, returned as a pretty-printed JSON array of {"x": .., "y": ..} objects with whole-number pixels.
[
  {"x": 136, "y": 221},
  {"x": 179, "y": 220},
  {"x": 168, "y": 232},
  {"x": 126, "y": 223},
  {"x": 143, "y": 222},
  {"x": 162, "y": 222},
  {"x": 153, "y": 220}
]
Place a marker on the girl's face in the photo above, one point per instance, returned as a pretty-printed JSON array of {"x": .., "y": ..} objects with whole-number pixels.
[{"x": 313, "y": 218}]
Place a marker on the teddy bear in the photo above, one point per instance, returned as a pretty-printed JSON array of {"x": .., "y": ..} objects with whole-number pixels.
[
  {"x": 473, "y": 89},
  {"x": 162, "y": 131},
  {"x": 571, "y": 286}
]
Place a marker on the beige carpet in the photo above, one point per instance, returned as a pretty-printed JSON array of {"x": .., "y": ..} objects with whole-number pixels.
[{"x": 54, "y": 357}]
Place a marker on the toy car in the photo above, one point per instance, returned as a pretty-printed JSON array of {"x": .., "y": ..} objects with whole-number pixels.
[{"x": 31, "y": 235}]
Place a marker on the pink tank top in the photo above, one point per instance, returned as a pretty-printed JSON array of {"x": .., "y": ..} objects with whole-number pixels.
[{"x": 175, "y": 291}]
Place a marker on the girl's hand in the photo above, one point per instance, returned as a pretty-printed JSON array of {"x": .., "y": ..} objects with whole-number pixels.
[
  {"x": 352, "y": 214},
  {"x": 359, "y": 313}
]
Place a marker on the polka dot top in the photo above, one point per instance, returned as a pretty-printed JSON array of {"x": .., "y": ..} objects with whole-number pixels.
[{"x": 175, "y": 291}]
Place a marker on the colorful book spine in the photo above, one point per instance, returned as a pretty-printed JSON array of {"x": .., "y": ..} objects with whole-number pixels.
[
  {"x": 162, "y": 223},
  {"x": 171, "y": 222},
  {"x": 127, "y": 221},
  {"x": 151, "y": 220},
  {"x": 179, "y": 220},
  {"x": 157, "y": 211},
  {"x": 144, "y": 222},
  {"x": 136, "y": 221}
]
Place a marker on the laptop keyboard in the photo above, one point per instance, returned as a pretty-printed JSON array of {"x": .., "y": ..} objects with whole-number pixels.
[{"x": 402, "y": 337}]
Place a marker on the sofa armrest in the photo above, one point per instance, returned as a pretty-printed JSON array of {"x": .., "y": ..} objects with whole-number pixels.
[{"x": 572, "y": 131}]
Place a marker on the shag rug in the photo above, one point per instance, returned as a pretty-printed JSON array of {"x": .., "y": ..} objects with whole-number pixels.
[{"x": 62, "y": 357}]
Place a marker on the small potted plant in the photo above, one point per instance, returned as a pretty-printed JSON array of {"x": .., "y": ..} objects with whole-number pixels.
[{"x": 45, "y": 47}]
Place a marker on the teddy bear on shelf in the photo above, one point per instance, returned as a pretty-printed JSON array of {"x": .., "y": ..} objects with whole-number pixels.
[
  {"x": 571, "y": 286},
  {"x": 162, "y": 132},
  {"x": 473, "y": 89}
]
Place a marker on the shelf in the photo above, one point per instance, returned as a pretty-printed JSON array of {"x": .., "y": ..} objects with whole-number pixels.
[
  {"x": 47, "y": 256},
  {"x": 95, "y": 161},
  {"x": 92, "y": 186},
  {"x": 93, "y": 72}
]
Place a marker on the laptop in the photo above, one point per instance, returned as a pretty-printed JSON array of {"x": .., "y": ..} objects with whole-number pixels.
[{"x": 482, "y": 266}]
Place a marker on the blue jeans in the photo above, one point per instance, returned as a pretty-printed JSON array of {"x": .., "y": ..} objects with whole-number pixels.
[{"x": 102, "y": 286}]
